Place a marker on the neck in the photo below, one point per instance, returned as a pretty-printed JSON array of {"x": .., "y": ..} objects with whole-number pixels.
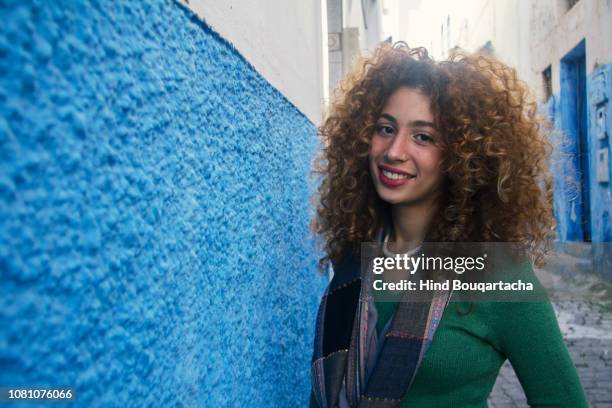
[{"x": 411, "y": 222}]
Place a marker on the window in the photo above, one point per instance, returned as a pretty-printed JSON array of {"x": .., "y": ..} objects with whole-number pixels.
[
  {"x": 571, "y": 3},
  {"x": 547, "y": 82}
]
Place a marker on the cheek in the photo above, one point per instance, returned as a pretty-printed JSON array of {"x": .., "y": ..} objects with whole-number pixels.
[
  {"x": 371, "y": 163},
  {"x": 377, "y": 146},
  {"x": 433, "y": 163},
  {"x": 376, "y": 149}
]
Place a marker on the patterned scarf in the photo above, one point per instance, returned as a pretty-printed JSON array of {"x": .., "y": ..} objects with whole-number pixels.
[{"x": 348, "y": 368}]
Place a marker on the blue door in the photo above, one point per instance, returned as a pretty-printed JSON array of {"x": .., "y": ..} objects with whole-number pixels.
[{"x": 573, "y": 106}]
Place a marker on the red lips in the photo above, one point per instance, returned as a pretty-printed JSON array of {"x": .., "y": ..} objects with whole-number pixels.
[{"x": 389, "y": 182}]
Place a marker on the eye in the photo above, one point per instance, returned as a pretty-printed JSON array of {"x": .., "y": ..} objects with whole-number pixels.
[
  {"x": 424, "y": 138},
  {"x": 384, "y": 130}
]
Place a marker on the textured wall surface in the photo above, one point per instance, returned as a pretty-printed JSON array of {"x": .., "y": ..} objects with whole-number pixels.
[
  {"x": 565, "y": 164},
  {"x": 154, "y": 209},
  {"x": 599, "y": 87},
  {"x": 284, "y": 40},
  {"x": 566, "y": 184},
  {"x": 565, "y": 168}
]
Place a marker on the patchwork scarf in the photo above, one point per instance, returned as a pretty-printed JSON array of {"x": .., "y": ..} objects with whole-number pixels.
[{"x": 351, "y": 367}]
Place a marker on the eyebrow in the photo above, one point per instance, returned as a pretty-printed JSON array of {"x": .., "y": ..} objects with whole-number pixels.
[{"x": 414, "y": 123}]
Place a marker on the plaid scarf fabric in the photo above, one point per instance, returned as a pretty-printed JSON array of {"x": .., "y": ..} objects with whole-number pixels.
[{"x": 342, "y": 374}]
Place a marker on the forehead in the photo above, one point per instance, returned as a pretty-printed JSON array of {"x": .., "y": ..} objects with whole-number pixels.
[{"x": 409, "y": 104}]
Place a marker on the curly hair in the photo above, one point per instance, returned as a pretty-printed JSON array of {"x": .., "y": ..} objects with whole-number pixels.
[{"x": 495, "y": 153}]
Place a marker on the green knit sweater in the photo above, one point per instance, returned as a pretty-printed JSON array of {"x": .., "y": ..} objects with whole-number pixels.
[{"x": 468, "y": 349}]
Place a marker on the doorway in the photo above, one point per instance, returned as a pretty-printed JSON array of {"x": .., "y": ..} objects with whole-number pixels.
[{"x": 574, "y": 120}]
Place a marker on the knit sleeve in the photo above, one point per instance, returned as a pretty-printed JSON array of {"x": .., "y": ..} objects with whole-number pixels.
[{"x": 530, "y": 337}]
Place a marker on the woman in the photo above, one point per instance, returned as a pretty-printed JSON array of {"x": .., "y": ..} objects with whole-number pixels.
[{"x": 423, "y": 151}]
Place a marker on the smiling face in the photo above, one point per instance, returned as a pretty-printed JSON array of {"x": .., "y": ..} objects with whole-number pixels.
[{"x": 405, "y": 153}]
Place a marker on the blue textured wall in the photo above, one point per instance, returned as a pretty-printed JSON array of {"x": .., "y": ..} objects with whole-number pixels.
[
  {"x": 566, "y": 167},
  {"x": 599, "y": 88},
  {"x": 566, "y": 181},
  {"x": 154, "y": 207},
  {"x": 572, "y": 109}
]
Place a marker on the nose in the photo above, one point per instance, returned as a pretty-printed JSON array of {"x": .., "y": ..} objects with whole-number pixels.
[{"x": 399, "y": 148}]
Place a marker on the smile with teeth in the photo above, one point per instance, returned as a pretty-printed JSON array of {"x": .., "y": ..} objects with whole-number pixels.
[{"x": 396, "y": 176}]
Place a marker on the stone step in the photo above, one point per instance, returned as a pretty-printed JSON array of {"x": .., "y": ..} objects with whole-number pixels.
[{"x": 576, "y": 249}]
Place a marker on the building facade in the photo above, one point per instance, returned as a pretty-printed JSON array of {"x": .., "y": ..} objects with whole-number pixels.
[
  {"x": 562, "y": 49},
  {"x": 355, "y": 28}
]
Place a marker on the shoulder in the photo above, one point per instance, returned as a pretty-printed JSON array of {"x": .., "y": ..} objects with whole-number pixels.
[
  {"x": 346, "y": 272},
  {"x": 511, "y": 265}
]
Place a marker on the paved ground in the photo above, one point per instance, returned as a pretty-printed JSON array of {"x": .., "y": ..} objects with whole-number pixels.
[{"x": 586, "y": 324}]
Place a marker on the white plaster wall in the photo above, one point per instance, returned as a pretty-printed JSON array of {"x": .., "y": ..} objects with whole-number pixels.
[
  {"x": 506, "y": 24},
  {"x": 353, "y": 16},
  {"x": 285, "y": 40},
  {"x": 398, "y": 16},
  {"x": 474, "y": 23},
  {"x": 557, "y": 31},
  {"x": 528, "y": 35}
]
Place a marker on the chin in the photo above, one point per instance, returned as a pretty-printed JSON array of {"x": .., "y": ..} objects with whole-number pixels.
[{"x": 392, "y": 199}]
